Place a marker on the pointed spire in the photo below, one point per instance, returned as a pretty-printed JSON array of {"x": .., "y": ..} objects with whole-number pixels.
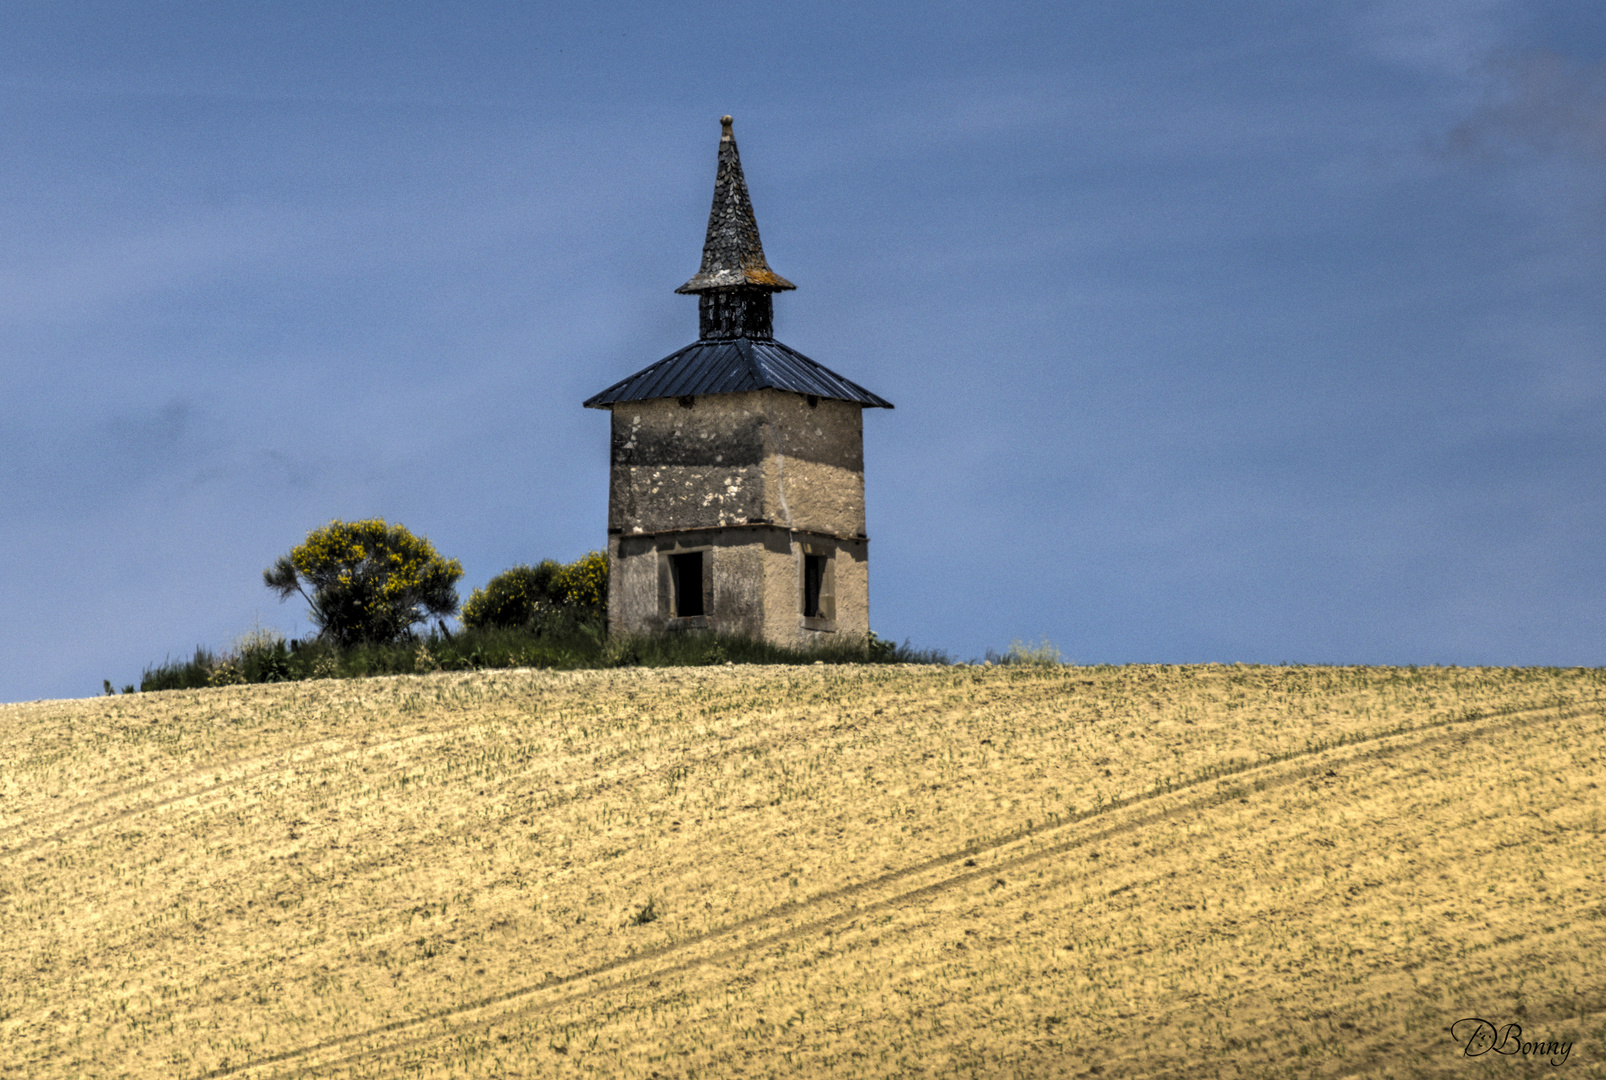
[{"x": 732, "y": 254}]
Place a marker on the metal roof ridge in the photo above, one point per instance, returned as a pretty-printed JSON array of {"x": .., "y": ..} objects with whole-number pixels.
[{"x": 765, "y": 364}]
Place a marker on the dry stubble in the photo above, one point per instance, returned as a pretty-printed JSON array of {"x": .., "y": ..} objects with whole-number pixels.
[{"x": 856, "y": 872}]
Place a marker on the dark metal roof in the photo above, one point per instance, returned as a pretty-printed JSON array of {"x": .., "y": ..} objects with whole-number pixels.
[
  {"x": 736, "y": 353},
  {"x": 730, "y": 367},
  {"x": 732, "y": 253}
]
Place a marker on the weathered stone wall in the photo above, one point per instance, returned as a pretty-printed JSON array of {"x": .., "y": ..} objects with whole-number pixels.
[
  {"x": 756, "y": 585},
  {"x": 632, "y": 586},
  {"x": 751, "y": 479},
  {"x": 783, "y": 590},
  {"x": 729, "y": 459},
  {"x": 814, "y": 464},
  {"x": 675, "y": 467}
]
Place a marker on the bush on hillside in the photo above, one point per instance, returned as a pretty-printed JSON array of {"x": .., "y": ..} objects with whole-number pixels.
[
  {"x": 513, "y": 597},
  {"x": 1043, "y": 654},
  {"x": 545, "y": 598},
  {"x": 368, "y": 581},
  {"x": 583, "y": 585},
  {"x": 477, "y": 648},
  {"x": 259, "y": 655}
]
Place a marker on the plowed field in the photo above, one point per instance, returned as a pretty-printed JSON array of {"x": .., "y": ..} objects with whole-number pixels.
[{"x": 818, "y": 871}]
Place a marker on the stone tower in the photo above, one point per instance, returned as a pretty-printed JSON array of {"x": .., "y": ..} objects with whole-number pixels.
[{"x": 736, "y": 486}]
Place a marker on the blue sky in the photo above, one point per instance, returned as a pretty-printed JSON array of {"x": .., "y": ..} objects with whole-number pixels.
[{"x": 1221, "y": 332}]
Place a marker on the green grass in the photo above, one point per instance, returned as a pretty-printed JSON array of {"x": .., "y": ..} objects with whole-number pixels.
[{"x": 269, "y": 659}]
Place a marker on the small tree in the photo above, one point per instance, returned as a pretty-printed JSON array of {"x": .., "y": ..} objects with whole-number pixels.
[{"x": 368, "y": 581}]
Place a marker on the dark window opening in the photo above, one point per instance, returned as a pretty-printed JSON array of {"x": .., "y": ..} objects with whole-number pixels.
[
  {"x": 813, "y": 578},
  {"x": 687, "y": 573}
]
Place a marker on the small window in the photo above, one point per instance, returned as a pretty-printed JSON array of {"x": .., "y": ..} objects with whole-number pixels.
[
  {"x": 686, "y": 573},
  {"x": 813, "y": 579},
  {"x": 817, "y": 599}
]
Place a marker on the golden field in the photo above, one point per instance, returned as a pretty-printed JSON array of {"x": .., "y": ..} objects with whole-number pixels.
[{"x": 818, "y": 871}]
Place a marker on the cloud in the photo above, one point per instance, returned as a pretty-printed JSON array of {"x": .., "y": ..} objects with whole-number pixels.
[
  {"x": 160, "y": 431},
  {"x": 1538, "y": 101},
  {"x": 1445, "y": 37}
]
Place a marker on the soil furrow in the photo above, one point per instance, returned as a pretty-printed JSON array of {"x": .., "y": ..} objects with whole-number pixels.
[{"x": 1289, "y": 769}]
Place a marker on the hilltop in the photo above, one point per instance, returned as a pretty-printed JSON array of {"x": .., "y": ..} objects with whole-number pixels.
[{"x": 843, "y": 871}]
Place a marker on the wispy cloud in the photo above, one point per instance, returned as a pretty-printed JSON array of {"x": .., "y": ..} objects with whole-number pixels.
[
  {"x": 1446, "y": 37},
  {"x": 1538, "y": 101}
]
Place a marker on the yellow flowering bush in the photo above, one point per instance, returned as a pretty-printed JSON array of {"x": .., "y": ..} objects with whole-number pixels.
[
  {"x": 532, "y": 595},
  {"x": 583, "y": 584},
  {"x": 366, "y": 580},
  {"x": 512, "y": 598}
]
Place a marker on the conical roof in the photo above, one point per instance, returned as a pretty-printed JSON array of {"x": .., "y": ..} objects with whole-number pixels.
[
  {"x": 732, "y": 253},
  {"x": 749, "y": 359}
]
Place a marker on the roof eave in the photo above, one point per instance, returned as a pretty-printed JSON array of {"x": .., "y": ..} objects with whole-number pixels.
[
  {"x": 683, "y": 373},
  {"x": 765, "y": 279}
]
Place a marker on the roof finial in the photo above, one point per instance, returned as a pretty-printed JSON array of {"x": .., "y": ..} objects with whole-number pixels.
[{"x": 732, "y": 253}]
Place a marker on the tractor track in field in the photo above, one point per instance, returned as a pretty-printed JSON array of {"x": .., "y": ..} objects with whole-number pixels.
[
  {"x": 276, "y": 761},
  {"x": 273, "y": 758},
  {"x": 554, "y": 798},
  {"x": 1154, "y": 807},
  {"x": 276, "y": 758},
  {"x": 280, "y": 760}
]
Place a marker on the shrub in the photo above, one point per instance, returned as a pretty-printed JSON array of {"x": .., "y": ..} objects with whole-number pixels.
[
  {"x": 513, "y": 597},
  {"x": 879, "y": 649},
  {"x": 227, "y": 673},
  {"x": 549, "y": 597},
  {"x": 180, "y": 674},
  {"x": 369, "y": 581},
  {"x": 260, "y": 655},
  {"x": 1043, "y": 654},
  {"x": 582, "y": 586}
]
